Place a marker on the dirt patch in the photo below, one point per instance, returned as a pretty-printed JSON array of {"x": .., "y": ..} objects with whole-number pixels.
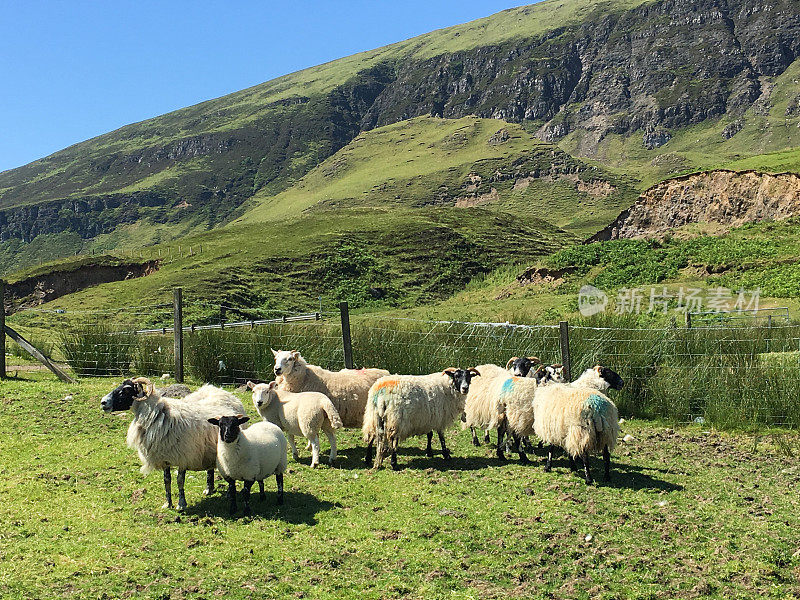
[{"x": 470, "y": 201}]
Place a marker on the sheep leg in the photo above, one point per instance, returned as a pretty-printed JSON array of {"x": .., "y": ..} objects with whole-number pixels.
[
  {"x": 501, "y": 431},
  {"x": 181, "y": 496},
  {"x": 486, "y": 437},
  {"x": 295, "y": 455},
  {"x": 475, "y": 441},
  {"x": 587, "y": 473},
  {"x": 368, "y": 453},
  {"x": 314, "y": 441},
  {"x": 262, "y": 494},
  {"x": 168, "y": 488},
  {"x": 332, "y": 441},
  {"x": 445, "y": 451},
  {"x": 209, "y": 483},
  {"x": 279, "y": 479},
  {"x": 548, "y": 465},
  {"x": 523, "y": 458},
  {"x": 526, "y": 443},
  {"x": 572, "y": 466},
  {"x": 231, "y": 495},
  {"x": 429, "y": 449},
  {"x": 246, "y": 497},
  {"x": 607, "y": 462},
  {"x": 393, "y": 458}
]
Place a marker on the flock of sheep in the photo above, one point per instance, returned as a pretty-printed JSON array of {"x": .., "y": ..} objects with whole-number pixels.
[{"x": 203, "y": 430}]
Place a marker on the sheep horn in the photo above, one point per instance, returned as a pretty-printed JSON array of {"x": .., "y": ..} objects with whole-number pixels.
[
  {"x": 511, "y": 360},
  {"x": 474, "y": 371},
  {"x": 449, "y": 370},
  {"x": 534, "y": 360}
]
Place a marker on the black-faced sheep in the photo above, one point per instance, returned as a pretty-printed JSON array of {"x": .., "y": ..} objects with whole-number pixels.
[
  {"x": 410, "y": 405},
  {"x": 171, "y": 432},
  {"x": 249, "y": 455}
]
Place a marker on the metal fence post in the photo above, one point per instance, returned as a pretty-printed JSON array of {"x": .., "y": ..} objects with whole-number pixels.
[
  {"x": 2, "y": 329},
  {"x": 563, "y": 327},
  {"x": 346, "y": 341},
  {"x": 177, "y": 329}
]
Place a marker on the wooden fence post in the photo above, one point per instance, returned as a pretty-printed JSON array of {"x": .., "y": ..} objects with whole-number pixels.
[
  {"x": 566, "y": 360},
  {"x": 177, "y": 329},
  {"x": 346, "y": 341},
  {"x": 2, "y": 329},
  {"x": 688, "y": 320}
]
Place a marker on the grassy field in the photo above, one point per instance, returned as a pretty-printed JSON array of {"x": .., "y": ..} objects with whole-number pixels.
[{"x": 689, "y": 514}]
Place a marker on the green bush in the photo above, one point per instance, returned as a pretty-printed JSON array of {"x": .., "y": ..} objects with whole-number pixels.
[{"x": 96, "y": 350}]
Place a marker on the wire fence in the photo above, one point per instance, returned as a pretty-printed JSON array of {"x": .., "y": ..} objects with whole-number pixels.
[{"x": 723, "y": 373}]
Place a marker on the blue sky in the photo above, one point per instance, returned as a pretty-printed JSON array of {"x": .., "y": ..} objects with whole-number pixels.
[{"x": 71, "y": 70}]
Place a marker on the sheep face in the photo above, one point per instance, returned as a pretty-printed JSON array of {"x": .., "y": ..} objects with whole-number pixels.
[
  {"x": 262, "y": 393},
  {"x": 521, "y": 365},
  {"x": 610, "y": 376},
  {"x": 123, "y": 397},
  {"x": 285, "y": 360},
  {"x": 461, "y": 378},
  {"x": 229, "y": 427}
]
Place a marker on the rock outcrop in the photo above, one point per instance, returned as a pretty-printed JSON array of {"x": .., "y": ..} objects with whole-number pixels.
[{"x": 729, "y": 198}]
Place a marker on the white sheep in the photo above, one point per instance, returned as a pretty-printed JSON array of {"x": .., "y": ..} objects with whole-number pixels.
[
  {"x": 172, "y": 432},
  {"x": 347, "y": 389},
  {"x": 249, "y": 455},
  {"x": 581, "y": 420},
  {"x": 504, "y": 401},
  {"x": 303, "y": 414},
  {"x": 409, "y": 405}
]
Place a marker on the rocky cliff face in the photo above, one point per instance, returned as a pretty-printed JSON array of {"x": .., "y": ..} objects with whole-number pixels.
[
  {"x": 727, "y": 197},
  {"x": 645, "y": 71}
]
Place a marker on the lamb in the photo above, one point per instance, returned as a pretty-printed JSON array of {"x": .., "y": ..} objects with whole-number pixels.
[
  {"x": 581, "y": 420},
  {"x": 409, "y": 405},
  {"x": 249, "y": 455},
  {"x": 172, "y": 432},
  {"x": 347, "y": 389},
  {"x": 298, "y": 414}
]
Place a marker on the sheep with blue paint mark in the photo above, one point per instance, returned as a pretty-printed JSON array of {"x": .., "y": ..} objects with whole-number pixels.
[
  {"x": 500, "y": 400},
  {"x": 581, "y": 420}
]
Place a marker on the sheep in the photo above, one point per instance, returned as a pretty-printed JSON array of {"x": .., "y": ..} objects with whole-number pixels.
[
  {"x": 172, "y": 432},
  {"x": 249, "y": 455},
  {"x": 298, "y": 414},
  {"x": 503, "y": 401},
  {"x": 409, "y": 405},
  {"x": 347, "y": 389},
  {"x": 581, "y": 420},
  {"x": 599, "y": 378},
  {"x": 521, "y": 366}
]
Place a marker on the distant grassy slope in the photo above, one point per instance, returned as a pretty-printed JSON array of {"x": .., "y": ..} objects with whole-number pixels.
[{"x": 431, "y": 161}]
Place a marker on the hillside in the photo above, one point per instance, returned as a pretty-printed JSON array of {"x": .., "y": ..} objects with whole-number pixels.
[{"x": 647, "y": 87}]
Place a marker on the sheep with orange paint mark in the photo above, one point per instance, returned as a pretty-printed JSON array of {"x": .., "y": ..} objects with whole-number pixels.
[{"x": 403, "y": 406}]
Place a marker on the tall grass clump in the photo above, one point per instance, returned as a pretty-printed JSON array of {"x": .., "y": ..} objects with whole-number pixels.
[
  {"x": 153, "y": 355},
  {"x": 96, "y": 349}
]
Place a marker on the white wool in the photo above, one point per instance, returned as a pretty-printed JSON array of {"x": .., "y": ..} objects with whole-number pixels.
[
  {"x": 409, "y": 405},
  {"x": 258, "y": 452},
  {"x": 347, "y": 389},
  {"x": 497, "y": 395},
  {"x": 172, "y": 432},
  {"x": 579, "y": 419},
  {"x": 304, "y": 413},
  {"x": 590, "y": 378}
]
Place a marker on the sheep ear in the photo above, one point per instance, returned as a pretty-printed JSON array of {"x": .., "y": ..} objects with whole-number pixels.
[
  {"x": 597, "y": 369},
  {"x": 272, "y": 385},
  {"x": 250, "y": 385},
  {"x": 214, "y": 421},
  {"x": 274, "y": 352},
  {"x": 511, "y": 360},
  {"x": 242, "y": 419},
  {"x": 535, "y": 360}
]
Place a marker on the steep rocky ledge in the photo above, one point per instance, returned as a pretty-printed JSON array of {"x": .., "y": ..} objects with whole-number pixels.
[
  {"x": 39, "y": 289},
  {"x": 730, "y": 198}
]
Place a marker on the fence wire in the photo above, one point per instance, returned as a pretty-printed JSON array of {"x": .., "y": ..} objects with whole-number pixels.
[{"x": 726, "y": 375}]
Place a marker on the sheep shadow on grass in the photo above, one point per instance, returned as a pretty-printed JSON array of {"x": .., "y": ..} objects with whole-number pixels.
[
  {"x": 298, "y": 508},
  {"x": 623, "y": 475}
]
